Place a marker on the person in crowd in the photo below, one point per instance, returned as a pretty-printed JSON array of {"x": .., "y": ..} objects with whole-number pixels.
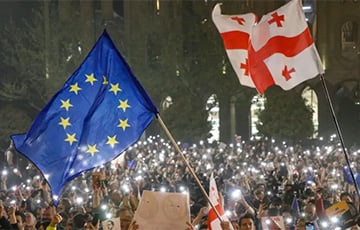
[{"x": 247, "y": 222}]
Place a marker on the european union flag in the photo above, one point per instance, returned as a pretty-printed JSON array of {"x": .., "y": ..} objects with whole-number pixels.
[{"x": 101, "y": 110}]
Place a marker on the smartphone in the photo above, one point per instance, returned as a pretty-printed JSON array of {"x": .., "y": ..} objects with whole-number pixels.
[{"x": 309, "y": 226}]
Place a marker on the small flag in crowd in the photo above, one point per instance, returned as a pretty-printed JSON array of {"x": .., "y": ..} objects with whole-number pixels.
[
  {"x": 213, "y": 220},
  {"x": 101, "y": 110},
  {"x": 295, "y": 207},
  {"x": 281, "y": 50},
  {"x": 348, "y": 178},
  {"x": 235, "y": 32}
]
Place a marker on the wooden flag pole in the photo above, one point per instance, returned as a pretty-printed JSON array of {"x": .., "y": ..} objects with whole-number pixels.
[
  {"x": 339, "y": 132},
  {"x": 188, "y": 165}
]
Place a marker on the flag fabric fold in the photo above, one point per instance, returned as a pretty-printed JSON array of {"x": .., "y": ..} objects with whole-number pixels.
[
  {"x": 235, "y": 32},
  {"x": 213, "y": 220},
  {"x": 101, "y": 110},
  {"x": 282, "y": 51}
]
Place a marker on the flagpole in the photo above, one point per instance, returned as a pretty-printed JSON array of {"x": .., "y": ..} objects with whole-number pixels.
[
  {"x": 188, "y": 165},
  {"x": 339, "y": 132}
]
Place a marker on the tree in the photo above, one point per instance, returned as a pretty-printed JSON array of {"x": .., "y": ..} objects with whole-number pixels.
[
  {"x": 286, "y": 117},
  {"x": 35, "y": 61}
]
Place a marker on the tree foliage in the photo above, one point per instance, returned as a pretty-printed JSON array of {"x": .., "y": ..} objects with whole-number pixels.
[{"x": 285, "y": 117}]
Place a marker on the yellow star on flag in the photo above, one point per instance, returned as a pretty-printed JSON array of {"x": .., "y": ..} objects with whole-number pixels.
[
  {"x": 124, "y": 104},
  {"x": 112, "y": 141},
  {"x": 115, "y": 88},
  {"x": 71, "y": 138},
  {"x": 92, "y": 149},
  {"x": 90, "y": 78},
  {"x": 75, "y": 88},
  {"x": 64, "y": 122},
  {"x": 105, "y": 81},
  {"x": 66, "y": 104},
  {"x": 123, "y": 124}
]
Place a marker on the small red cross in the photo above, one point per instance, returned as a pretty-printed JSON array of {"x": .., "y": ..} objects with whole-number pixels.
[
  {"x": 245, "y": 66},
  {"x": 238, "y": 20},
  {"x": 286, "y": 73},
  {"x": 277, "y": 19}
]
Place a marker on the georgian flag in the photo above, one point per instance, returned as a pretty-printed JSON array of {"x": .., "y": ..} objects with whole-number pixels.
[
  {"x": 281, "y": 50},
  {"x": 235, "y": 32},
  {"x": 213, "y": 220}
]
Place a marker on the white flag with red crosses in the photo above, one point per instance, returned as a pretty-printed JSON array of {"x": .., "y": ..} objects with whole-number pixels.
[
  {"x": 282, "y": 51},
  {"x": 213, "y": 220},
  {"x": 235, "y": 31}
]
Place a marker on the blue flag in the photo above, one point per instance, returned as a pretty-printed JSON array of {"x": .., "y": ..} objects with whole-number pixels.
[
  {"x": 101, "y": 110},
  {"x": 348, "y": 178},
  {"x": 295, "y": 206}
]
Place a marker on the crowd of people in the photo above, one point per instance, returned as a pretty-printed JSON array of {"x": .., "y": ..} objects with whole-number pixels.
[{"x": 256, "y": 180}]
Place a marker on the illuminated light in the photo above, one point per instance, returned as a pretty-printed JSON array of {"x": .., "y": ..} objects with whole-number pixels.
[
  {"x": 288, "y": 220},
  {"x": 104, "y": 207},
  {"x": 87, "y": 190},
  {"x": 238, "y": 149},
  {"x": 125, "y": 188},
  {"x": 38, "y": 201},
  {"x": 162, "y": 189},
  {"x": 269, "y": 193},
  {"x": 242, "y": 173},
  {"x": 208, "y": 166},
  {"x": 229, "y": 157},
  {"x": 79, "y": 200},
  {"x": 73, "y": 188},
  {"x": 108, "y": 215},
  {"x": 228, "y": 213},
  {"x": 324, "y": 224},
  {"x": 201, "y": 142},
  {"x": 15, "y": 170},
  {"x": 236, "y": 194},
  {"x": 13, "y": 188},
  {"x": 307, "y": 8},
  {"x": 204, "y": 157},
  {"x": 182, "y": 188},
  {"x": 334, "y": 219},
  {"x": 4, "y": 172},
  {"x": 267, "y": 221}
]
